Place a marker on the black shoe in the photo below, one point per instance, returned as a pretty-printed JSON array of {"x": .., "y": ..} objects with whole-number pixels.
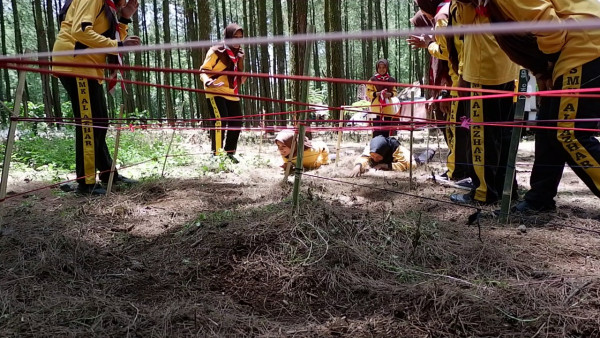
[
  {"x": 233, "y": 159},
  {"x": 86, "y": 189},
  {"x": 526, "y": 207},
  {"x": 425, "y": 156},
  {"x": 120, "y": 179},
  {"x": 466, "y": 183},
  {"x": 68, "y": 187},
  {"x": 462, "y": 198}
]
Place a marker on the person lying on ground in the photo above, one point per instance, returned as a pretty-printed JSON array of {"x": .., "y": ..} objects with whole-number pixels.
[
  {"x": 315, "y": 153},
  {"x": 386, "y": 153}
]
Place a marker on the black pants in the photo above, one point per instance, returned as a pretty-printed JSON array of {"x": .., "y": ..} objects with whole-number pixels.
[
  {"x": 554, "y": 148},
  {"x": 383, "y": 121},
  {"x": 219, "y": 108},
  {"x": 490, "y": 144},
  {"x": 459, "y": 142},
  {"x": 90, "y": 110}
]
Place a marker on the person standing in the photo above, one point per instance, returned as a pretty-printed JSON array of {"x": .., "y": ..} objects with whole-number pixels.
[
  {"x": 88, "y": 24},
  {"x": 486, "y": 66},
  {"x": 380, "y": 96},
  {"x": 222, "y": 90},
  {"x": 560, "y": 60}
]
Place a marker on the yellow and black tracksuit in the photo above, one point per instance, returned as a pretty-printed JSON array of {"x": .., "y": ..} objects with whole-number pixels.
[
  {"x": 221, "y": 102},
  {"x": 391, "y": 150},
  {"x": 577, "y": 55},
  {"x": 88, "y": 24},
  {"x": 313, "y": 157},
  {"x": 458, "y": 138},
  {"x": 385, "y": 111},
  {"x": 486, "y": 66}
]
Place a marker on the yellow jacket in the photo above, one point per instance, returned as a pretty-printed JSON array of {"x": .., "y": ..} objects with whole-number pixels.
[
  {"x": 376, "y": 106},
  {"x": 84, "y": 25},
  {"x": 576, "y": 47},
  {"x": 313, "y": 157},
  {"x": 484, "y": 62},
  {"x": 212, "y": 62},
  {"x": 399, "y": 162}
]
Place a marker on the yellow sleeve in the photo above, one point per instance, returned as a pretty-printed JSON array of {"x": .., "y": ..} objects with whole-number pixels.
[
  {"x": 364, "y": 160},
  {"x": 123, "y": 30},
  {"x": 439, "y": 48},
  {"x": 82, "y": 30},
  {"x": 394, "y": 91},
  {"x": 210, "y": 61},
  {"x": 537, "y": 10},
  {"x": 400, "y": 163},
  {"x": 371, "y": 90},
  {"x": 435, "y": 50},
  {"x": 465, "y": 14}
]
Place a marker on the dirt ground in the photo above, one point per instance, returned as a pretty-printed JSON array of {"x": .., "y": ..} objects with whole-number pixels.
[{"x": 203, "y": 253}]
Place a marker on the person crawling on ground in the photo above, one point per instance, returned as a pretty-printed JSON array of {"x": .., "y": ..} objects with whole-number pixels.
[
  {"x": 386, "y": 153},
  {"x": 315, "y": 153}
]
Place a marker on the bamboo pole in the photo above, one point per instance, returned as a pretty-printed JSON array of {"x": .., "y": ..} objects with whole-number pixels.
[
  {"x": 514, "y": 147},
  {"x": 116, "y": 154},
  {"x": 10, "y": 139},
  {"x": 299, "y": 167},
  {"x": 303, "y": 96}
]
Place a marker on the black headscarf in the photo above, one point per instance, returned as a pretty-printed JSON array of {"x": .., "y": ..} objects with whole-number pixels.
[
  {"x": 383, "y": 78},
  {"x": 384, "y": 146}
]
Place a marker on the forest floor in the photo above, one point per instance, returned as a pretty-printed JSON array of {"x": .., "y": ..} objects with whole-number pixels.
[{"x": 207, "y": 252}]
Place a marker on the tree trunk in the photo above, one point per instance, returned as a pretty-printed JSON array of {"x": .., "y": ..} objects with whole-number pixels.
[
  {"x": 19, "y": 48},
  {"x": 137, "y": 60},
  {"x": 53, "y": 80},
  {"x": 5, "y": 80},
  {"x": 147, "y": 101},
  {"x": 280, "y": 55},
  {"x": 265, "y": 83},
  {"x": 299, "y": 22},
  {"x": 337, "y": 55},
  {"x": 42, "y": 44},
  {"x": 204, "y": 27},
  {"x": 157, "y": 61},
  {"x": 316, "y": 66},
  {"x": 167, "y": 57}
]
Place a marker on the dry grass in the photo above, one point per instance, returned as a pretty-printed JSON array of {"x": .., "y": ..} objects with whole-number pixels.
[{"x": 224, "y": 256}]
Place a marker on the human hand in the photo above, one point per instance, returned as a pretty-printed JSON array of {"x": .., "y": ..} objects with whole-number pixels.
[
  {"x": 132, "y": 41},
  {"x": 357, "y": 171},
  {"x": 129, "y": 9},
  {"x": 213, "y": 84},
  {"x": 419, "y": 41}
]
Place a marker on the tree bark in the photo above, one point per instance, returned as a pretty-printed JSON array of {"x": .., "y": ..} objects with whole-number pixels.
[
  {"x": 265, "y": 83},
  {"x": 280, "y": 55},
  {"x": 51, "y": 39},
  {"x": 42, "y": 44},
  {"x": 167, "y": 57}
]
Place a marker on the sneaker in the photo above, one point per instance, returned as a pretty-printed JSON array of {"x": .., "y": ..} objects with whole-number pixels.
[
  {"x": 466, "y": 183},
  {"x": 120, "y": 179},
  {"x": 467, "y": 199},
  {"x": 233, "y": 159},
  {"x": 85, "y": 189},
  {"x": 462, "y": 198},
  {"x": 526, "y": 207},
  {"x": 68, "y": 187}
]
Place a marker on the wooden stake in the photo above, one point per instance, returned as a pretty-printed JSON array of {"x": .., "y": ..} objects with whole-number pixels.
[
  {"x": 299, "y": 167},
  {"x": 514, "y": 147},
  {"x": 339, "y": 140},
  {"x": 10, "y": 140},
  {"x": 116, "y": 154},
  {"x": 162, "y": 174}
]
